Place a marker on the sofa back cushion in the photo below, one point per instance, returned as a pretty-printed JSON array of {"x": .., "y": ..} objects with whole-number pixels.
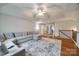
[
  {"x": 18, "y": 34},
  {"x": 2, "y": 38},
  {"x": 24, "y": 33},
  {"x": 23, "y": 39},
  {"x": 9, "y": 35}
]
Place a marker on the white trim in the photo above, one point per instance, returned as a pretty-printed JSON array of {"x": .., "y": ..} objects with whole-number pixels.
[{"x": 75, "y": 43}]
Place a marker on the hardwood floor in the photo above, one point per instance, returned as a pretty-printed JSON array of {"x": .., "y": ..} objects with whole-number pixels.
[{"x": 68, "y": 47}]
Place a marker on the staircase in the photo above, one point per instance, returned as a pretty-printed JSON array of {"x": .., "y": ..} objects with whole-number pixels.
[
  {"x": 66, "y": 34},
  {"x": 68, "y": 48}
]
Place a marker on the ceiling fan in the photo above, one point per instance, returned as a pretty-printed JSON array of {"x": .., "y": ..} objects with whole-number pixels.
[{"x": 40, "y": 11}]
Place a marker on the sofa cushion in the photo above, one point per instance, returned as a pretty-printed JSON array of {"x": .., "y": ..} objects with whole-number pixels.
[
  {"x": 18, "y": 34},
  {"x": 24, "y": 33},
  {"x": 23, "y": 39},
  {"x": 2, "y": 38},
  {"x": 9, "y": 35}
]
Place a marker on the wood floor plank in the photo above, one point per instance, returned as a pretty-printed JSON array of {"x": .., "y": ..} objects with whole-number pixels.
[{"x": 68, "y": 47}]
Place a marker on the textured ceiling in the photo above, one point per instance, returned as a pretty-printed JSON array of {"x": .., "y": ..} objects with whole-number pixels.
[{"x": 55, "y": 11}]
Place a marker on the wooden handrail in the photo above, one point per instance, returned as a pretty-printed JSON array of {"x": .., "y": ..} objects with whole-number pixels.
[
  {"x": 66, "y": 35},
  {"x": 65, "y": 30}
]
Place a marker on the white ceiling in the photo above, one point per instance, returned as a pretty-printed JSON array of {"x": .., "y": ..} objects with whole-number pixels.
[{"x": 55, "y": 11}]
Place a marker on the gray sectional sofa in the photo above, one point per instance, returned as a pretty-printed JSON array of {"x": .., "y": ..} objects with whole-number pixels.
[
  {"x": 20, "y": 36},
  {"x": 28, "y": 43},
  {"x": 16, "y": 38}
]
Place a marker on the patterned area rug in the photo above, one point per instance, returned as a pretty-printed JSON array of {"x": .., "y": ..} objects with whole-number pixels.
[{"x": 43, "y": 47}]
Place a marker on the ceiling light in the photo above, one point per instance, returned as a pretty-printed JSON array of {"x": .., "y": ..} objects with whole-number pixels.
[
  {"x": 40, "y": 13},
  {"x": 75, "y": 29},
  {"x": 40, "y": 10}
]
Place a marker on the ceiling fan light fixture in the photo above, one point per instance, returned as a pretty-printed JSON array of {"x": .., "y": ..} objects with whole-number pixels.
[
  {"x": 40, "y": 14},
  {"x": 40, "y": 11}
]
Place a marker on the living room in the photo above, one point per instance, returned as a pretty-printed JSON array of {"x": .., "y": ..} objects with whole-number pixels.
[{"x": 32, "y": 27}]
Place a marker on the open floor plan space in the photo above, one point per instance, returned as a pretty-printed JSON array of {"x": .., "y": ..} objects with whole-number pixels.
[{"x": 39, "y": 29}]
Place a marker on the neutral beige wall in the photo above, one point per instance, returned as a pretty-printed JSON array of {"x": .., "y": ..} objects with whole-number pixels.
[
  {"x": 77, "y": 22},
  {"x": 64, "y": 25},
  {"x": 13, "y": 24},
  {"x": 77, "y": 25}
]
